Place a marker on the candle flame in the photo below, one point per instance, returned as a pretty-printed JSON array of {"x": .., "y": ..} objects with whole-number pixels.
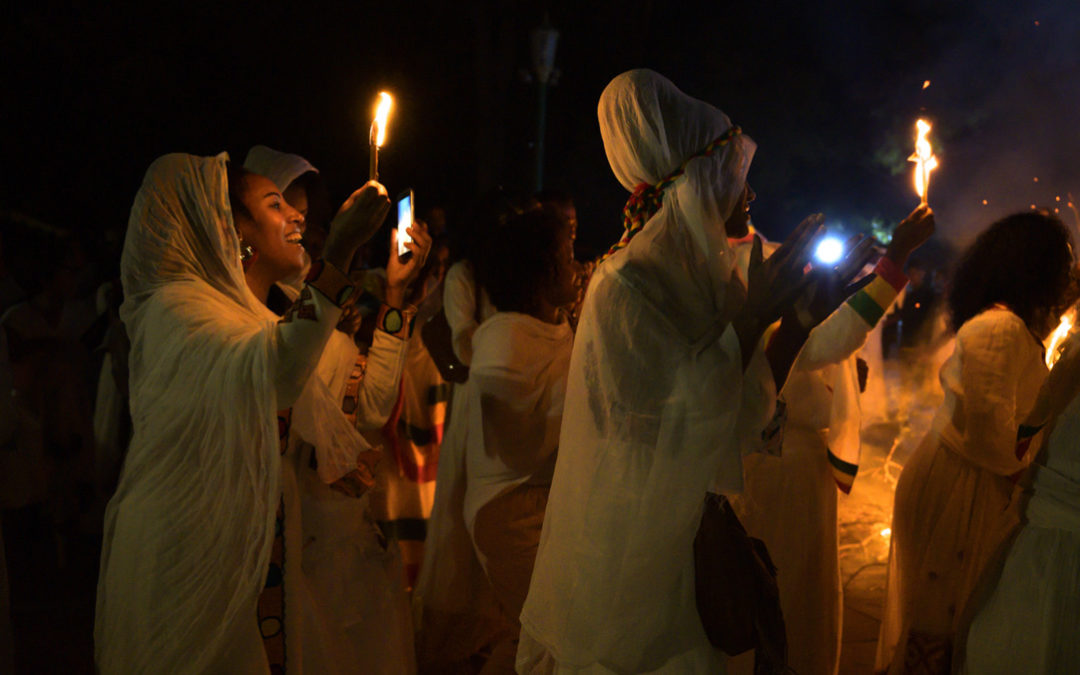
[
  {"x": 1054, "y": 342},
  {"x": 924, "y": 159},
  {"x": 925, "y": 84},
  {"x": 886, "y": 532},
  {"x": 382, "y": 114}
]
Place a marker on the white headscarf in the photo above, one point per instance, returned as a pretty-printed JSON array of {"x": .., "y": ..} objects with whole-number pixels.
[
  {"x": 187, "y": 535},
  {"x": 654, "y": 392}
]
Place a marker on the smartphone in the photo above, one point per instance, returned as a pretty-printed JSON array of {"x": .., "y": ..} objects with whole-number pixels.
[{"x": 405, "y": 211}]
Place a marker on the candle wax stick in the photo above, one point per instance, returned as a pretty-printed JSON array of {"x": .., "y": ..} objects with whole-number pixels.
[{"x": 373, "y": 163}]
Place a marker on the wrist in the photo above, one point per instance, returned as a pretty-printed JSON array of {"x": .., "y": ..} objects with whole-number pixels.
[
  {"x": 892, "y": 272},
  {"x": 395, "y": 295},
  {"x": 337, "y": 253},
  {"x": 896, "y": 256}
]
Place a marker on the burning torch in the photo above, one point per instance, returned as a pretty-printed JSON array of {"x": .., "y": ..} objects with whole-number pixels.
[
  {"x": 924, "y": 159},
  {"x": 377, "y": 135}
]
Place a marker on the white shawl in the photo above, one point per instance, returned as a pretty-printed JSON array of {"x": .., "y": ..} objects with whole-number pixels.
[
  {"x": 653, "y": 396},
  {"x": 187, "y": 535}
]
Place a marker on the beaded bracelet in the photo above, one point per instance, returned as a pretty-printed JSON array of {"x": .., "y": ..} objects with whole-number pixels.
[{"x": 331, "y": 282}]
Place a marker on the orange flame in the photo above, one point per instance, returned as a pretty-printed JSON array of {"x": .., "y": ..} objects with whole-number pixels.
[
  {"x": 1053, "y": 343},
  {"x": 924, "y": 159},
  {"x": 382, "y": 114}
]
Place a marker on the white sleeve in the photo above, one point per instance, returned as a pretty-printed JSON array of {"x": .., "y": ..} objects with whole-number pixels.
[
  {"x": 459, "y": 304},
  {"x": 382, "y": 380},
  {"x": 301, "y": 338}
]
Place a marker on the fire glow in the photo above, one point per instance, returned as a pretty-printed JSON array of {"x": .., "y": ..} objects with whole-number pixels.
[
  {"x": 924, "y": 159},
  {"x": 377, "y": 135},
  {"x": 1054, "y": 342}
]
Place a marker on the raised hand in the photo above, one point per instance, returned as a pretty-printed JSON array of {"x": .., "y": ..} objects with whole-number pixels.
[
  {"x": 399, "y": 275},
  {"x": 356, "y": 221},
  {"x": 830, "y": 287},
  {"x": 773, "y": 284},
  {"x": 910, "y": 234}
]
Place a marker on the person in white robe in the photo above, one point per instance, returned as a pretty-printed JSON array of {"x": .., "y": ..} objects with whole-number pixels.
[
  {"x": 664, "y": 366},
  {"x": 1027, "y": 620},
  {"x": 345, "y": 606},
  {"x": 789, "y": 501},
  {"x": 457, "y": 614},
  {"x": 187, "y": 534},
  {"x": 517, "y": 383},
  {"x": 955, "y": 501}
]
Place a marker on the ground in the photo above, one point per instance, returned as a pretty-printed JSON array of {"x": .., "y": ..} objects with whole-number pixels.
[{"x": 866, "y": 514}]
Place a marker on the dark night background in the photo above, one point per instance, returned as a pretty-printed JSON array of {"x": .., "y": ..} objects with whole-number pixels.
[{"x": 829, "y": 90}]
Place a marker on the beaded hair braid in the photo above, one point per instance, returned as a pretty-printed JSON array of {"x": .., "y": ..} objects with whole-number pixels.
[{"x": 647, "y": 199}]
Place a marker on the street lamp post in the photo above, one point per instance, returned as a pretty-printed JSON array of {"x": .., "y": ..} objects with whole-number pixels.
[{"x": 543, "y": 42}]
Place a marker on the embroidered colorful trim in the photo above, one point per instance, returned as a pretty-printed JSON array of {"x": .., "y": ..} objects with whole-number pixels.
[
  {"x": 843, "y": 472},
  {"x": 396, "y": 322},
  {"x": 874, "y": 299},
  {"x": 647, "y": 199},
  {"x": 331, "y": 282}
]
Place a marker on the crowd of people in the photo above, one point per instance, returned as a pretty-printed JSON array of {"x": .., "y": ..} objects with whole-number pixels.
[{"x": 484, "y": 455}]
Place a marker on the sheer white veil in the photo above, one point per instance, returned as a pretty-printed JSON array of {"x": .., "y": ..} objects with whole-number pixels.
[
  {"x": 187, "y": 534},
  {"x": 654, "y": 391},
  {"x": 681, "y": 257}
]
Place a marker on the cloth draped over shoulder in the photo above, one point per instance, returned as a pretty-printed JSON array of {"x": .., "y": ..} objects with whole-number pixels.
[
  {"x": 187, "y": 535},
  {"x": 654, "y": 391}
]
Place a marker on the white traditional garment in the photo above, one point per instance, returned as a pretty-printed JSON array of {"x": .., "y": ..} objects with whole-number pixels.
[
  {"x": 345, "y": 606},
  {"x": 655, "y": 388},
  {"x": 456, "y": 612},
  {"x": 955, "y": 501},
  {"x": 789, "y": 501},
  {"x": 187, "y": 535},
  {"x": 519, "y": 365},
  {"x": 518, "y": 385},
  {"x": 1027, "y": 622}
]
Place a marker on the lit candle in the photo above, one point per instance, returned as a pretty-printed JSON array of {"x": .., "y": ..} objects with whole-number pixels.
[
  {"x": 924, "y": 159},
  {"x": 378, "y": 132}
]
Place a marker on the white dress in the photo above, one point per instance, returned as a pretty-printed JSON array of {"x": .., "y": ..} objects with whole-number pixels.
[
  {"x": 790, "y": 501},
  {"x": 1028, "y": 622},
  {"x": 458, "y": 614},
  {"x": 955, "y": 498},
  {"x": 345, "y": 604}
]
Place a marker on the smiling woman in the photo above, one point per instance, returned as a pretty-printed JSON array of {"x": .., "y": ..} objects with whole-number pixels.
[{"x": 269, "y": 226}]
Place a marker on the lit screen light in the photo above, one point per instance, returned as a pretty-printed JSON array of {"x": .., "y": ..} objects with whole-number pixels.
[{"x": 829, "y": 251}]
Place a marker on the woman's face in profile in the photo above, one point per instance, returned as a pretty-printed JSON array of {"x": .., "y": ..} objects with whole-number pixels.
[
  {"x": 274, "y": 230},
  {"x": 738, "y": 223}
]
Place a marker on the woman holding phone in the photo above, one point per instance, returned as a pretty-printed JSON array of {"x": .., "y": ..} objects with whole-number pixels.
[
  {"x": 187, "y": 536},
  {"x": 343, "y": 598}
]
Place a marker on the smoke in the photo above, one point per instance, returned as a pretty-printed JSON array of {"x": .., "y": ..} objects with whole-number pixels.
[{"x": 1005, "y": 92}]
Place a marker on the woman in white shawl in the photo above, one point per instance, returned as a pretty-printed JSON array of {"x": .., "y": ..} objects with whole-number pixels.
[
  {"x": 345, "y": 607},
  {"x": 661, "y": 372},
  {"x": 955, "y": 502},
  {"x": 187, "y": 535}
]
